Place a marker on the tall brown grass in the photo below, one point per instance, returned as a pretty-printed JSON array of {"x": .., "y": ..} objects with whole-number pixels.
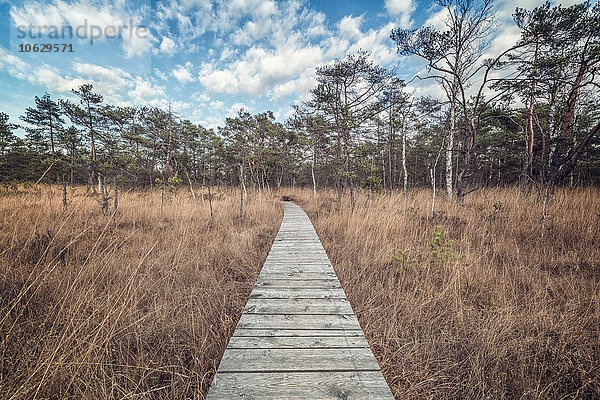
[
  {"x": 139, "y": 304},
  {"x": 500, "y": 313}
]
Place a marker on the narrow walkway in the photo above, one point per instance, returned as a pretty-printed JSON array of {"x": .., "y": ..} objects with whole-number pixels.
[{"x": 298, "y": 337}]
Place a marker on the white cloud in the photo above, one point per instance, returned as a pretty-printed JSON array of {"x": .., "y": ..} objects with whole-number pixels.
[
  {"x": 113, "y": 78},
  {"x": 161, "y": 75},
  {"x": 299, "y": 87},
  {"x": 349, "y": 26},
  {"x": 226, "y": 54},
  {"x": 402, "y": 11},
  {"x": 438, "y": 19},
  {"x": 378, "y": 43},
  {"x": 167, "y": 46},
  {"x": 138, "y": 44},
  {"x": 233, "y": 110},
  {"x": 51, "y": 79},
  {"x": 100, "y": 20},
  {"x": 182, "y": 73},
  {"x": 219, "y": 81},
  {"x": 43, "y": 75},
  {"x": 145, "y": 92},
  {"x": 260, "y": 70},
  {"x": 13, "y": 64}
]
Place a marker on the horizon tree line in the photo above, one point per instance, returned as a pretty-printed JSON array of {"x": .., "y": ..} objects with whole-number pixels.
[{"x": 528, "y": 115}]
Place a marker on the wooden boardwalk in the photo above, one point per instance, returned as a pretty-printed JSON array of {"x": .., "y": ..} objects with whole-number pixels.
[{"x": 298, "y": 337}]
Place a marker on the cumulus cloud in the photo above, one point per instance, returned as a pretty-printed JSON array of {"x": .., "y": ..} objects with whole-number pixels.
[
  {"x": 402, "y": 11},
  {"x": 299, "y": 86},
  {"x": 107, "y": 80},
  {"x": 219, "y": 81},
  {"x": 260, "y": 70},
  {"x": 349, "y": 26},
  {"x": 42, "y": 75},
  {"x": 104, "y": 20},
  {"x": 146, "y": 92},
  {"x": 167, "y": 46},
  {"x": 51, "y": 79},
  {"x": 182, "y": 73}
]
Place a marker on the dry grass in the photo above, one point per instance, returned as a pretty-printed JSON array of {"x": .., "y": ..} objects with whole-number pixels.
[
  {"x": 507, "y": 315},
  {"x": 136, "y": 305},
  {"x": 141, "y": 305}
]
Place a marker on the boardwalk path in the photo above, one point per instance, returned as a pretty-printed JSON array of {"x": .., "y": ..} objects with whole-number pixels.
[{"x": 298, "y": 336}]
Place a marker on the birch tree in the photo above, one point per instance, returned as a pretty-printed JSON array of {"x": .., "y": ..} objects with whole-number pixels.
[{"x": 454, "y": 57}]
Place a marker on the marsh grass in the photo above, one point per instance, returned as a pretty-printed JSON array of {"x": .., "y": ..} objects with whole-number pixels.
[
  {"x": 509, "y": 315},
  {"x": 469, "y": 304},
  {"x": 137, "y": 304}
]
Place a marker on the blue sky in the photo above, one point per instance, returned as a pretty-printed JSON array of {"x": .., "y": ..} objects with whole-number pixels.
[{"x": 208, "y": 58}]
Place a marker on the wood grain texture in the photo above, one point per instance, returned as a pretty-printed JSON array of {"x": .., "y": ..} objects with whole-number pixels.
[
  {"x": 301, "y": 386},
  {"x": 298, "y": 337},
  {"x": 297, "y": 332},
  {"x": 291, "y": 321},
  {"x": 298, "y": 306},
  {"x": 304, "y": 293},
  {"x": 297, "y": 342},
  {"x": 265, "y": 360}
]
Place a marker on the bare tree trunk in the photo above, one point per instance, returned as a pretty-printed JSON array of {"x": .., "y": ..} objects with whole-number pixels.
[
  {"x": 191, "y": 187},
  {"x": 242, "y": 190},
  {"x": 450, "y": 146},
  {"x": 312, "y": 171},
  {"x": 466, "y": 151},
  {"x": 210, "y": 202},
  {"x": 432, "y": 176},
  {"x": 404, "y": 170},
  {"x": 528, "y": 159},
  {"x": 116, "y": 202},
  {"x": 280, "y": 180},
  {"x": 65, "y": 204},
  {"x": 391, "y": 148},
  {"x": 351, "y": 195},
  {"x": 242, "y": 178},
  {"x": 168, "y": 157}
]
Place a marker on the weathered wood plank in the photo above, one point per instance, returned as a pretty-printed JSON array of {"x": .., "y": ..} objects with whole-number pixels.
[
  {"x": 291, "y": 321},
  {"x": 293, "y": 267},
  {"x": 301, "y": 386},
  {"x": 275, "y": 293},
  {"x": 266, "y": 360},
  {"x": 323, "y": 271},
  {"x": 297, "y": 283},
  {"x": 297, "y": 332},
  {"x": 298, "y": 306},
  {"x": 265, "y": 275},
  {"x": 299, "y": 342}
]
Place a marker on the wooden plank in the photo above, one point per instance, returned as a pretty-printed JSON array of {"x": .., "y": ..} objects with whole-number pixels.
[
  {"x": 265, "y": 360},
  {"x": 353, "y": 385},
  {"x": 298, "y": 263},
  {"x": 274, "y": 293},
  {"x": 299, "y": 342},
  {"x": 296, "y": 269},
  {"x": 297, "y": 332},
  {"x": 298, "y": 306},
  {"x": 265, "y": 275},
  {"x": 298, "y": 255},
  {"x": 291, "y": 321},
  {"x": 297, "y": 283}
]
